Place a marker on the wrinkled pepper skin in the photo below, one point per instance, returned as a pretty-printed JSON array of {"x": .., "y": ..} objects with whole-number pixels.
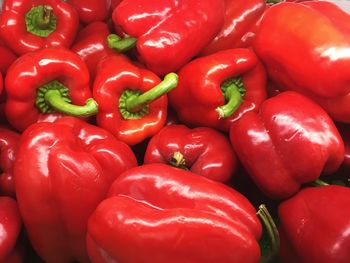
[
  {"x": 92, "y": 46},
  {"x": 200, "y": 94},
  {"x": 91, "y": 10},
  {"x": 116, "y": 75},
  {"x": 9, "y": 141},
  {"x": 289, "y": 142},
  {"x": 168, "y": 214},
  {"x": 10, "y": 226},
  {"x": 33, "y": 70},
  {"x": 241, "y": 21},
  {"x": 14, "y": 32},
  {"x": 204, "y": 151},
  {"x": 316, "y": 33},
  {"x": 68, "y": 166},
  {"x": 314, "y": 226},
  {"x": 169, "y": 33}
]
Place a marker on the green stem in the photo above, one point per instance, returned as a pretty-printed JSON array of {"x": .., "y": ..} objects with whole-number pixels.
[
  {"x": 41, "y": 21},
  {"x": 319, "y": 182},
  {"x": 57, "y": 102},
  {"x": 135, "y": 103},
  {"x": 121, "y": 44},
  {"x": 272, "y": 232},
  {"x": 233, "y": 92},
  {"x": 273, "y": 1}
]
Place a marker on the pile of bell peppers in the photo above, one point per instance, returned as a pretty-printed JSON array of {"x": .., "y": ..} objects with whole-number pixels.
[{"x": 175, "y": 131}]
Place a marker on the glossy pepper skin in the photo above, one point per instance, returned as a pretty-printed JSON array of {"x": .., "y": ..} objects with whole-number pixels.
[
  {"x": 91, "y": 10},
  {"x": 24, "y": 31},
  {"x": 234, "y": 78},
  {"x": 319, "y": 37},
  {"x": 319, "y": 213},
  {"x": 68, "y": 166},
  {"x": 118, "y": 80},
  {"x": 289, "y": 142},
  {"x": 10, "y": 226},
  {"x": 241, "y": 21},
  {"x": 203, "y": 151},
  {"x": 168, "y": 214},
  {"x": 37, "y": 75},
  {"x": 169, "y": 33},
  {"x": 9, "y": 141},
  {"x": 91, "y": 45}
]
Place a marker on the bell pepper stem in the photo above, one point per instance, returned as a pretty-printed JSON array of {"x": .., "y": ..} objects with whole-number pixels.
[
  {"x": 319, "y": 182},
  {"x": 272, "y": 232},
  {"x": 137, "y": 102},
  {"x": 178, "y": 160},
  {"x": 56, "y": 101},
  {"x": 234, "y": 99},
  {"x": 273, "y": 1},
  {"x": 121, "y": 44},
  {"x": 44, "y": 19},
  {"x": 41, "y": 20}
]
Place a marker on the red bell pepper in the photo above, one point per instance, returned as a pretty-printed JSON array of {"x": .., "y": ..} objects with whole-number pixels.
[
  {"x": 30, "y": 25},
  {"x": 317, "y": 34},
  {"x": 114, "y": 3},
  {"x": 46, "y": 84},
  {"x": 216, "y": 90},
  {"x": 132, "y": 101},
  {"x": 68, "y": 166},
  {"x": 91, "y": 45},
  {"x": 9, "y": 141},
  {"x": 314, "y": 226},
  {"x": 203, "y": 151},
  {"x": 169, "y": 33},
  {"x": 91, "y": 10},
  {"x": 289, "y": 142},
  {"x": 158, "y": 213},
  {"x": 241, "y": 20},
  {"x": 7, "y": 58},
  {"x": 10, "y": 225}
]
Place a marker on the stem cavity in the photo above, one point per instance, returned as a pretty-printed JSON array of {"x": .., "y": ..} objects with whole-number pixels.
[{"x": 41, "y": 21}]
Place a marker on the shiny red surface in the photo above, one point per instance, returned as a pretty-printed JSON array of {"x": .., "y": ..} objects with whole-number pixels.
[
  {"x": 63, "y": 171},
  {"x": 169, "y": 33},
  {"x": 168, "y": 214},
  {"x": 206, "y": 151},
  {"x": 315, "y": 226},
  {"x": 289, "y": 142},
  {"x": 13, "y": 25}
]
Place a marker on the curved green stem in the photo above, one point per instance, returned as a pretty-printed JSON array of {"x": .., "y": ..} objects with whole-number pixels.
[
  {"x": 233, "y": 92},
  {"x": 137, "y": 102},
  {"x": 272, "y": 232},
  {"x": 121, "y": 44},
  {"x": 57, "y": 102}
]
